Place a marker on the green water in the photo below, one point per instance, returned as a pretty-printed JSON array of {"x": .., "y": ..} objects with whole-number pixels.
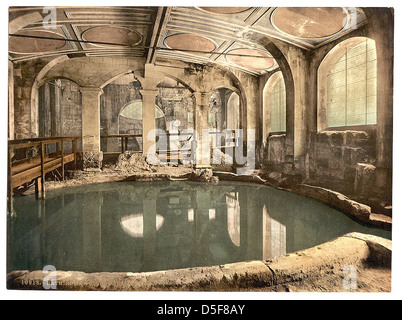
[{"x": 149, "y": 226}]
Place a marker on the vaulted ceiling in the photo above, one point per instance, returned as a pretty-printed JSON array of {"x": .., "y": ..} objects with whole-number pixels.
[{"x": 227, "y": 36}]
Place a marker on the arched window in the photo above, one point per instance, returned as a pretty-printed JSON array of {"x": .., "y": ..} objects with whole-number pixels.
[
  {"x": 121, "y": 113},
  {"x": 275, "y": 104},
  {"x": 348, "y": 85},
  {"x": 233, "y": 112},
  {"x": 130, "y": 118},
  {"x": 224, "y": 110}
]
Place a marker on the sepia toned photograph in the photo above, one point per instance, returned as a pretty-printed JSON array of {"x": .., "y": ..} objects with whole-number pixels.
[{"x": 200, "y": 149}]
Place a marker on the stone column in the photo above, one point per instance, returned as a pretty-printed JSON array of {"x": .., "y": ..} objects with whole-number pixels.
[
  {"x": 297, "y": 116},
  {"x": 92, "y": 155},
  {"x": 382, "y": 31},
  {"x": 203, "y": 150},
  {"x": 148, "y": 121}
]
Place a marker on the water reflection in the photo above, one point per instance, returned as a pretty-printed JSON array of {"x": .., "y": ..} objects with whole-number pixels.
[
  {"x": 132, "y": 227},
  {"x": 233, "y": 213},
  {"x": 274, "y": 237},
  {"x": 134, "y": 224}
]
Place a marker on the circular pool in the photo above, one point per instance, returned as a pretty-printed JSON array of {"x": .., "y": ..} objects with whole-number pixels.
[{"x": 151, "y": 226}]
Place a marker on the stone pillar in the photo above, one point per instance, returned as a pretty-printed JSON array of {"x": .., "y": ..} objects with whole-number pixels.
[
  {"x": 203, "y": 149},
  {"x": 297, "y": 115},
  {"x": 382, "y": 31},
  {"x": 92, "y": 156},
  {"x": 148, "y": 121}
]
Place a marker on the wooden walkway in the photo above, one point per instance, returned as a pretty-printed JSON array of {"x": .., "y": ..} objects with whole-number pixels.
[{"x": 29, "y": 169}]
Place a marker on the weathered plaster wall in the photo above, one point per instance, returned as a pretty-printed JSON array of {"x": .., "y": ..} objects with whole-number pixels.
[
  {"x": 335, "y": 157},
  {"x": 24, "y": 79},
  {"x": 60, "y": 109}
]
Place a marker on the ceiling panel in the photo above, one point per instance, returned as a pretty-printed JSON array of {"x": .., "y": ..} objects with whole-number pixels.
[{"x": 228, "y": 36}]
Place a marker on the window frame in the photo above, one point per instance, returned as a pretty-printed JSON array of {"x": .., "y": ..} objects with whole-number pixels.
[
  {"x": 324, "y": 69},
  {"x": 267, "y": 107}
]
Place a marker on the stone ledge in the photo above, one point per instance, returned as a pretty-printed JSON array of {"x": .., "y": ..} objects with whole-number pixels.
[
  {"x": 353, "y": 208},
  {"x": 230, "y": 176},
  {"x": 312, "y": 264}
]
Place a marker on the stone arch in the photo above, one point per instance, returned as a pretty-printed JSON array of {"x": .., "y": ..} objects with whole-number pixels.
[
  {"x": 118, "y": 74},
  {"x": 289, "y": 79},
  {"x": 40, "y": 79},
  {"x": 179, "y": 80},
  {"x": 228, "y": 91}
]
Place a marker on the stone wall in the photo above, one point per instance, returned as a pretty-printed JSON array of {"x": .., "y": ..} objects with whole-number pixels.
[
  {"x": 274, "y": 153},
  {"x": 60, "y": 109},
  {"x": 176, "y": 103},
  {"x": 343, "y": 161},
  {"x": 24, "y": 78}
]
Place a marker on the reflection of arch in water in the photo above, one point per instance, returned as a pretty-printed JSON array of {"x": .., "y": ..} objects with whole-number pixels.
[
  {"x": 233, "y": 217},
  {"x": 133, "y": 224},
  {"x": 274, "y": 237}
]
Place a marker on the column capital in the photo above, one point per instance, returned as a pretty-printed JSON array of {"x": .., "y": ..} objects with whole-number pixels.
[
  {"x": 202, "y": 93},
  {"x": 146, "y": 92},
  {"x": 91, "y": 90},
  {"x": 201, "y": 98}
]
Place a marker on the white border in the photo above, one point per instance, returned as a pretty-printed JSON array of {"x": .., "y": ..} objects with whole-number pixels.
[{"x": 22, "y": 295}]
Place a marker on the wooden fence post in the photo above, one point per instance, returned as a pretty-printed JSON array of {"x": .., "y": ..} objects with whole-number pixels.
[
  {"x": 42, "y": 168},
  {"x": 62, "y": 159},
  {"x": 10, "y": 182},
  {"x": 75, "y": 153}
]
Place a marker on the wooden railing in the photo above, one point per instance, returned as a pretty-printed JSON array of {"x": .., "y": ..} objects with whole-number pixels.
[
  {"x": 35, "y": 167},
  {"x": 124, "y": 139}
]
